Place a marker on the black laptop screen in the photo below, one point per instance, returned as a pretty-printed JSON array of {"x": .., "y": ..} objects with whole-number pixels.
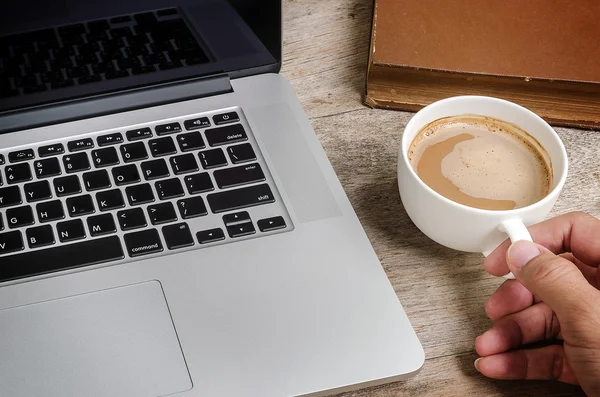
[{"x": 64, "y": 50}]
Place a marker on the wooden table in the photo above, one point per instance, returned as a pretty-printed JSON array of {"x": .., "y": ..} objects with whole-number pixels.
[{"x": 443, "y": 291}]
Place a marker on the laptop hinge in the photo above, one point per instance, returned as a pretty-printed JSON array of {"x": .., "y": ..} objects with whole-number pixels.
[{"x": 116, "y": 102}]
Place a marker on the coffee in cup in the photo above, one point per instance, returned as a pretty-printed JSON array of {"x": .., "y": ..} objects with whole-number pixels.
[
  {"x": 481, "y": 162},
  {"x": 468, "y": 227}
]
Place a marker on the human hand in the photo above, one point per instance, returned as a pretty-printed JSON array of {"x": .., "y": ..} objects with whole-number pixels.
[{"x": 554, "y": 298}]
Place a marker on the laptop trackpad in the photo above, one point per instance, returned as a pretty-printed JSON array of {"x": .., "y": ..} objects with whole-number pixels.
[{"x": 116, "y": 342}]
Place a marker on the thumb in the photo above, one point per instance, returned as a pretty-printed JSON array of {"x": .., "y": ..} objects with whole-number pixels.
[{"x": 551, "y": 278}]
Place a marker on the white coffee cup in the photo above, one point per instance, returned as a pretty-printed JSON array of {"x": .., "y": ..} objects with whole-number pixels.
[{"x": 466, "y": 228}]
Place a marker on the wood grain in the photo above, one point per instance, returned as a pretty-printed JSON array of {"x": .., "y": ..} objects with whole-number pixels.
[{"x": 443, "y": 291}]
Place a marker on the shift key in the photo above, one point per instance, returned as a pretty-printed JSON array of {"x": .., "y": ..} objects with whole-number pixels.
[{"x": 240, "y": 198}]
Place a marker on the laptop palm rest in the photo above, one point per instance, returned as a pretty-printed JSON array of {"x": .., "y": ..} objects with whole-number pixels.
[{"x": 116, "y": 342}]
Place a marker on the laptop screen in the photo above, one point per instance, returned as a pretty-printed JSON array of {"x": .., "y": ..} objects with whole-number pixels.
[{"x": 70, "y": 49}]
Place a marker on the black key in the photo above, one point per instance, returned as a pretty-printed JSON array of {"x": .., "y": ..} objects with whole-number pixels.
[
  {"x": 18, "y": 173},
  {"x": 131, "y": 219},
  {"x": 126, "y": 175},
  {"x": 67, "y": 185},
  {"x": 225, "y": 135},
  {"x": 143, "y": 243},
  {"x": 10, "y": 196},
  {"x": 19, "y": 217},
  {"x": 155, "y": 169},
  {"x": 241, "y": 229},
  {"x": 71, "y": 30},
  {"x": 101, "y": 224},
  {"x": 237, "y": 218},
  {"x": 34, "y": 88},
  {"x": 169, "y": 188},
  {"x": 226, "y": 118},
  {"x": 133, "y": 152},
  {"x": 9, "y": 242},
  {"x": 62, "y": 257},
  {"x": 240, "y": 198},
  {"x": 46, "y": 168},
  {"x": 237, "y": 176},
  {"x": 143, "y": 69},
  {"x": 139, "y": 133},
  {"x": 212, "y": 158},
  {"x": 76, "y": 162},
  {"x": 40, "y": 236},
  {"x": 199, "y": 183},
  {"x": 270, "y": 224},
  {"x": 162, "y": 146},
  {"x": 110, "y": 200},
  {"x": 170, "y": 128},
  {"x": 62, "y": 84},
  {"x": 200, "y": 122},
  {"x": 145, "y": 19},
  {"x": 71, "y": 230},
  {"x": 191, "y": 207},
  {"x": 166, "y": 12},
  {"x": 89, "y": 79},
  {"x": 116, "y": 74},
  {"x": 110, "y": 139},
  {"x": 121, "y": 19},
  {"x": 50, "y": 211},
  {"x": 175, "y": 63},
  {"x": 21, "y": 155},
  {"x": 80, "y": 205},
  {"x": 2, "y": 161},
  {"x": 98, "y": 26},
  {"x": 13, "y": 93},
  {"x": 161, "y": 213},
  {"x": 210, "y": 236},
  {"x": 51, "y": 150},
  {"x": 1, "y": 223},
  {"x": 190, "y": 141},
  {"x": 96, "y": 180},
  {"x": 105, "y": 157},
  {"x": 139, "y": 194},
  {"x": 37, "y": 191},
  {"x": 183, "y": 164},
  {"x": 177, "y": 236},
  {"x": 80, "y": 144},
  {"x": 241, "y": 153}
]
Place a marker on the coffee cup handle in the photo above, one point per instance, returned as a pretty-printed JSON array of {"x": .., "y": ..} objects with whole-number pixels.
[{"x": 516, "y": 230}]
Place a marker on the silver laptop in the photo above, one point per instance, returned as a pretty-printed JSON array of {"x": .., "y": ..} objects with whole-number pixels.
[{"x": 169, "y": 223}]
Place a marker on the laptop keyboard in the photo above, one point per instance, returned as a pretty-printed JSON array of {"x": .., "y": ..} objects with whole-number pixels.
[
  {"x": 139, "y": 191},
  {"x": 94, "y": 51}
]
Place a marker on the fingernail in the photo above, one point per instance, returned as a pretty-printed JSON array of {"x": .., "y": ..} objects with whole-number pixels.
[
  {"x": 475, "y": 364},
  {"x": 521, "y": 252}
]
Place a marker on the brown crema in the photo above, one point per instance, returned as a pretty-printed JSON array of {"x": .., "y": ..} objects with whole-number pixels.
[{"x": 481, "y": 162}]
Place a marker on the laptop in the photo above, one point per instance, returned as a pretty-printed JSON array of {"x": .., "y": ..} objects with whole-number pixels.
[{"x": 169, "y": 223}]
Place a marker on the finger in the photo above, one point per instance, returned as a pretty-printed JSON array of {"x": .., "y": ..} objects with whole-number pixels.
[
  {"x": 555, "y": 280},
  {"x": 574, "y": 232},
  {"x": 588, "y": 272},
  {"x": 534, "y": 324},
  {"x": 510, "y": 297},
  {"x": 546, "y": 363}
]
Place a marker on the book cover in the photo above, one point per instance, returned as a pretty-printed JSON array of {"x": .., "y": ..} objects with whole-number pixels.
[{"x": 542, "y": 54}]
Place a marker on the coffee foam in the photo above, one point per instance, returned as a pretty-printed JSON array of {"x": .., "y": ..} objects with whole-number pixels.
[{"x": 481, "y": 162}]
